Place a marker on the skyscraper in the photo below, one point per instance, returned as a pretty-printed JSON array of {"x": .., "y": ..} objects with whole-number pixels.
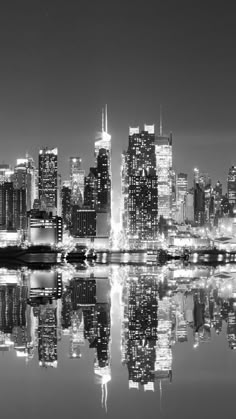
[
  {"x": 48, "y": 179},
  {"x": 182, "y": 186},
  {"x": 231, "y": 185},
  {"x": 139, "y": 185},
  {"x": 77, "y": 175},
  {"x": 163, "y": 151},
  {"x": 103, "y": 164}
]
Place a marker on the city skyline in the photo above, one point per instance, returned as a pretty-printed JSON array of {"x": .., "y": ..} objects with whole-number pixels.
[{"x": 60, "y": 66}]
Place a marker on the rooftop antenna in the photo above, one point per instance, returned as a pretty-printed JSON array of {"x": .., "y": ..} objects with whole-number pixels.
[
  {"x": 160, "y": 121},
  {"x": 106, "y": 123}
]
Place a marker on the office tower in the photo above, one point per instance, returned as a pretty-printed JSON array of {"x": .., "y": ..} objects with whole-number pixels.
[
  {"x": 203, "y": 202},
  {"x": 83, "y": 222},
  {"x": 139, "y": 184},
  {"x": 141, "y": 149},
  {"x": 66, "y": 205},
  {"x": 7, "y": 206},
  {"x": 231, "y": 185},
  {"x": 142, "y": 205},
  {"x": 77, "y": 175},
  {"x": 163, "y": 151},
  {"x": 48, "y": 179},
  {"x": 181, "y": 186},
  {"x": 199, "y": 204},
  {"x": 217, "y": 196},
  {"x": 5, "y": 173},
  {"x": 20, "y": 208},
  {"x": 104, "y": 178},
  {"x": 24, "y": 178},
  {"x": 90, "y": 189},
  {"x": 124, "y": 191},
  {"x": 189, "y": 206},
  {"x": 103, "y": 181}
]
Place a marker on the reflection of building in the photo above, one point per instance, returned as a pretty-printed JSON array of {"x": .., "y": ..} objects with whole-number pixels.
[
  {"x": 140, "y": 330},
  {"x": 47, "y": 335},
  {"x": 163, "y": 361}
]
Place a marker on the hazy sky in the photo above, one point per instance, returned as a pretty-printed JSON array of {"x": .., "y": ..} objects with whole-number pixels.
[{"x": 62, "y": 60}]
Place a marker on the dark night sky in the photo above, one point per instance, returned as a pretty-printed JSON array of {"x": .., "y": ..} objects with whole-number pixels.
[{"x": 61, "y": 60}]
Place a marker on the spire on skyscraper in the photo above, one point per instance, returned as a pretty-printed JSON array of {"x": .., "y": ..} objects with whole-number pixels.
[{"x": 160, "y": 120}]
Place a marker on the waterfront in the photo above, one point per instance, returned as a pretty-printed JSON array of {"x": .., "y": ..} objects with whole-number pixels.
[{"x": 124, "y": 341}]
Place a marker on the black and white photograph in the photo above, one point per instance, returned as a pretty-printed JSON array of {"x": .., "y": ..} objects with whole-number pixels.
[{"x": 117, "y": 209}]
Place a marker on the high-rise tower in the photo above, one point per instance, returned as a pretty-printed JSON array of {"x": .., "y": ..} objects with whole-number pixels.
[
  {"x": 77, "y": 176},
  {"x": 163, "y": 151},
  {"x": 103, "y": 172},
  {"x": 231, "y": 185},
  {"x": 48, "y": 178}
]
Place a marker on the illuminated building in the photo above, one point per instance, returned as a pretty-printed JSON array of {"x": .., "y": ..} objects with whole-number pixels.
[
  {"x": 83, "y": 292},
  {"x": 77, "y": 175},
  {"x": 203, "y": 202},
  {"x": 76, "y": 333},
  {"x": 217, "y": 194},
  {"x": 48, "y": 179},
  {"x": 66, "y": 205},
  {"x": 103, "y": 174},
  {"x": 7, "y": 206},
  {"x": 90, "y": 189},
  {"x": 5, "y": 173},
  {"x": 163, "y": 362},
  {"x": 140, "y": 329},
  {"x": 142, "y": 205},
  {"x": 199, "y": 204},
  {"x": 139, "y": 184},
  {"x": 44, "y": 228},
  {"x": 231, "y": 185},
  {"x": 24, "y": 178},
  {"x": 47, "y": 335},
  {"x": 231, "y": 330},
  {"x": 163, "y": 152},
  {"x": 83, "y": 222},
  {"x": 182, "y": 186}
]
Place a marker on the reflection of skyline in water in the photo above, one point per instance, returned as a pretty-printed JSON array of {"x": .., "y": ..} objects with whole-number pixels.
[{"x": 159, "y": 308}]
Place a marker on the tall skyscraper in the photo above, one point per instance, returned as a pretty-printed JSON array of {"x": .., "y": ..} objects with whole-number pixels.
[
  {"x": 139, "y": 185},
  {"x": 77, "y": 178},
  {"x": 181, "y": 186},
  {"x": 24, "y": 178},
  {"x": 48, "y": 178},
  {"x": 142, "y": 205},
  {"x": 104, "y": 180},
  {"x": 231, "y": 185},
  {"x": 7, "y": 206},
  {"x": 163, "y": 151}
]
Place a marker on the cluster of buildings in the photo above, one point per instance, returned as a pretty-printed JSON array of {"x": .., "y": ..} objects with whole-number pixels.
[
  {"x": 39, "y": 205},
  {"x": 155, "y": 197},
  {"x": 35, "y": 202}
]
